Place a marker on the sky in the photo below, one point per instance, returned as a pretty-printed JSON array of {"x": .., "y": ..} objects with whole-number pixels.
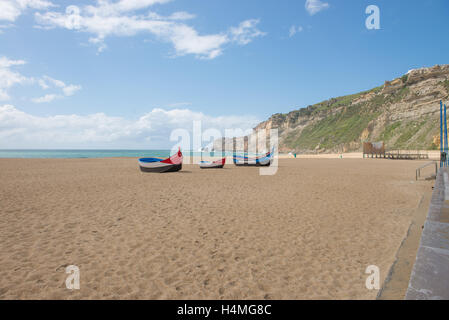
[{"x": 126, "y": 73}]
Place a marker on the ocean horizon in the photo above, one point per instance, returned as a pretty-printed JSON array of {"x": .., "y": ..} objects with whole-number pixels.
[{"x": 95, "y": 153}]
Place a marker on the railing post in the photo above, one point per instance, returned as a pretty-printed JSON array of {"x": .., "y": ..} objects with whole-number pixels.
[
  {"x": 441, "y": 131},
  {"x": 445, "y": 138}
]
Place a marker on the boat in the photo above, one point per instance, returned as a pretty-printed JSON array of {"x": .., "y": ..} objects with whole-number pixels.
[
  {"x": 213, "y": 164},
  {"x": 258, "y": 161},
  {"x": 159, "y": 165}
]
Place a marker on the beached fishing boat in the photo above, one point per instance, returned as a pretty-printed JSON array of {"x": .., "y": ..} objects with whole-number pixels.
[
  {"x": 172, "y": 164},
  {"x": 259, "y": 161},
  {"x": 213, "y": 164}
]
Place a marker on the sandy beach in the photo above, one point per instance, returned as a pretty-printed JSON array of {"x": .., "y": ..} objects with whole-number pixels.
[{"x": 308, "y": 232}]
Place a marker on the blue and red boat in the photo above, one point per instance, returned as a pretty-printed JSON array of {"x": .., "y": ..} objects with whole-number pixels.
[
  {"x": 172, "y": 164},
  {"x": 218, "y": 164}
]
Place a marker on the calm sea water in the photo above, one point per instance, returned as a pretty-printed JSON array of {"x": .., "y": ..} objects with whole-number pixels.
[{"x": 67, "y": 154}]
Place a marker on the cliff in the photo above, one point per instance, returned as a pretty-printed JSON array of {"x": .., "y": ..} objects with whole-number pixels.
[{"x": 404, "y": 113}]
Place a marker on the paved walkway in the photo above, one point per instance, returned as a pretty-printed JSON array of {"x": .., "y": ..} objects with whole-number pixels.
[{"x": 430, "y": 275}]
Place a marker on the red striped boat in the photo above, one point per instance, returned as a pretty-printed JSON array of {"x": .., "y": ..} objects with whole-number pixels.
[
  {"x": 213, "y": 164},
  {"x": 172, "y": 164}
]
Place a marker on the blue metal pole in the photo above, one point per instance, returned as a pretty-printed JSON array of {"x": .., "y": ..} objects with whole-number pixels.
[
  {"x": 445, "y": 137},
  {"x": 441, "y": 130}
]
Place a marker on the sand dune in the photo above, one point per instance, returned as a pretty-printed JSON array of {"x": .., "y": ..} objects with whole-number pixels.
[{"x": 308, "y": 232}]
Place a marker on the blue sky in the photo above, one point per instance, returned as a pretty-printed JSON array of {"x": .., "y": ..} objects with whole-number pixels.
[{"x": 163, "y": 63}]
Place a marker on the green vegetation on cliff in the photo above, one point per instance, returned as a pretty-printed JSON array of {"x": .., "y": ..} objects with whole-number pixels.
[
  {"x": 403, "y": 113},
  {"x": 333, "y": 130}
]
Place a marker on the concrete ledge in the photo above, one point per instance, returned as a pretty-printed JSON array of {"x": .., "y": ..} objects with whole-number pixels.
[
  {"x": 435, "y": 235},
  {"x": 430, "y": 275}
]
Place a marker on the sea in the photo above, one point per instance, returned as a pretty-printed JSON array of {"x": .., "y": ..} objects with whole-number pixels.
[{"x": 78, "y": 154}]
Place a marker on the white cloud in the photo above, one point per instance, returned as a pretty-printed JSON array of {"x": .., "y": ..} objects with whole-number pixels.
[
  {"x": 315, "y": 6},
  {"x": 47, "y": 82},
  {"x": 107, "y": 7},
  {"x": 9, "y": 78},
  {"x": 152, "y": 130},
  {"x": 246, "y": 31},
  {"x": 180, "y": 15},
  {"x": 187, "y": 41},
  {"x": 121, "y": 19},
  {"x": 46, "y": 98},
  {"x": 6, "y": 63},
  {"x": 11, "y": 9},
  {"x": 54, "y": 82},
  {"x": 43, "y": 84},
  {"x": 294, "y": 30},
  {"x": 71, "y": 89},
  {"x": 5, "y": 26}
]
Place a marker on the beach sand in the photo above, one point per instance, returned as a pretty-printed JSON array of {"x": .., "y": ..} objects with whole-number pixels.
[{"x": 308, "y": 232}]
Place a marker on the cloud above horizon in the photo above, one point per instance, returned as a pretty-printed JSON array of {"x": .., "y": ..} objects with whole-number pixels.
[
  {"x": 125, "y": 18},
  {"x": 10, "y": 10},
  {"x": 294, "y": 30},
  {"x": 47, "y": 82},
  {"x": 21, "y": 130},
  {"x": 315, "y": 6},
  {"x": 10, "y": 78}
]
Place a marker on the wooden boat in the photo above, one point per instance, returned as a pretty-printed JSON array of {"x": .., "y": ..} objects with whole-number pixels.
[
  {"x": 172, "y": 164},
  {"x": 259, "y": 161},
  {"x": 213, "y": 164}
]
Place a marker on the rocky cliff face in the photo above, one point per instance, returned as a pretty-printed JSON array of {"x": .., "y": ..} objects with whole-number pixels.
[{"x": 404, "y": 113}]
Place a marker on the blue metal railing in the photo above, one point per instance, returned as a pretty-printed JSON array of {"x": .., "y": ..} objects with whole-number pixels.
[{"x": 444, "y": 149}]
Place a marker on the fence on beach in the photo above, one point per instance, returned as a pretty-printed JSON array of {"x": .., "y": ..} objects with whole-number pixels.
[
  {"x": 373, "y": 150},
  {"x": 407, "y": 155},
  {"x": 377, "y": 150}
]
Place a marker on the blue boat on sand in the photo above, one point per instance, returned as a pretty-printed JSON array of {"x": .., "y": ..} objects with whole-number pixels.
[{"x": 258, "y": 161}]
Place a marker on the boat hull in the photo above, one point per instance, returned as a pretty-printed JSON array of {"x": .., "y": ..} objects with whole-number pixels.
[
  {"x": 219, "y": 164},
  {"x": 212, "y": 166},
  {"x": 242, "y": 164},
  {"x": 162, "y": 169},
  {"x": 263, "y": 161},
  {"x": 157, "y": 165}
]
